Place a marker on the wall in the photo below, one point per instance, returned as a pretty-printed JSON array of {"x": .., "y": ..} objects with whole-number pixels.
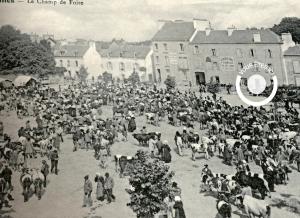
[
  {"x": 292, "y": 72},
  {"x": 173, "y": 52},
  {"x": 199, "y": 64},
  {"x": 72, "y": 67},
  {"x": 92, "y": 61}
]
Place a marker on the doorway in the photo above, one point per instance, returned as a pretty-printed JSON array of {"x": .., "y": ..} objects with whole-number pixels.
[{"x": 200, "y": 78}]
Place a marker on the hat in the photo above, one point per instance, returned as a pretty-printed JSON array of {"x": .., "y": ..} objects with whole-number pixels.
[
  {"x": 98, "y": 174},
  {"x": 177, "y": 198},
  {"x": 86, "y": 177},
  {"x": 206, "y": 165},
  {"x": 165, "y": 142}
]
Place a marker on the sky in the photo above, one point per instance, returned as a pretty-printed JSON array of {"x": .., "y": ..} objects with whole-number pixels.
[{"x": 136, "y": 20}]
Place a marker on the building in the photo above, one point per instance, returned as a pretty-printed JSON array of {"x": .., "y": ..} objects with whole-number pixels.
[
  {"x": 194, "y": 52},
  {"x": 122, "y": 59},
  {"x": 292, "y": 63},
  {"x": 118, "y": 57},
  {"x": 70, "y": 57}
]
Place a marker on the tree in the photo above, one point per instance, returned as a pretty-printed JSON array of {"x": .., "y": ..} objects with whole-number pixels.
[
  {"x": 170, "y": 82},
  {"x": 134, "y": 78},
  {"x": 19, "y": 54},
  {"x": 82, "y": 73},
  {"x": 151, "y": 184},
  {"x": 288, "y": 24},
  {"x": 107, "y": 77}
]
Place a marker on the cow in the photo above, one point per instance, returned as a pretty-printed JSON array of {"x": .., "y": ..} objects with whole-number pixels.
[
  {"x": 254, "y": 207},
  {"x": 224, "y": 209}
]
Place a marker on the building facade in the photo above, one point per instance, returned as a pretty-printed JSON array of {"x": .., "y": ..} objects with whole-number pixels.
[
  {"x": 292, "y": 63},
  {"x": 120, "y": 59},
  {"x": 194, "y": 53}
]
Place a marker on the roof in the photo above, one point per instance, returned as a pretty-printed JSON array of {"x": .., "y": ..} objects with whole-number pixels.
[
  {"x": 293, "y": 51},
  {"x": 237, "y": 37},
  {"x": 70, "y": 50},
  {"x": 22, "y": 80},
  {"x": 175, "y": 31},
  {"x": 125, "y": 51}
]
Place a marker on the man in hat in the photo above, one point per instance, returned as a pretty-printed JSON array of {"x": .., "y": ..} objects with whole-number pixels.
[
  {"x": 178, "y": 206},
  {"x": 54, "y": 160},
  {"x": 45, "y": 171},
  {"x": 6, "y": 175},
  {"x": 87, "y": 189},
  {"x": 108, "y": 186}
]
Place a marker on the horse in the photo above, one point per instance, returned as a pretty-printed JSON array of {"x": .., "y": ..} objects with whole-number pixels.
[
  {"x": 26, "y": 181},
  {"x": 38, "y": 180}
]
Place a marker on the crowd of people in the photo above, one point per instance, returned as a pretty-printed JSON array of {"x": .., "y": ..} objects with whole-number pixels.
[{"x": 238, "y": 134}]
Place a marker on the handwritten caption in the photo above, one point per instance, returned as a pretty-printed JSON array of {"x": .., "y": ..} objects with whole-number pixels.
[{"x": 46, "y": 2}]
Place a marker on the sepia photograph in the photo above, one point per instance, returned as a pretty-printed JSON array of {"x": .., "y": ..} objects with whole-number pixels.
[{"x": 149, "y": 109}]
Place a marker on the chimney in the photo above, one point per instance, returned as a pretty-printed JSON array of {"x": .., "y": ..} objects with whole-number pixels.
[
  {"x": 92, "y": 44},
  {"x": 287, "y": 41},
  {"x": 230, "y": 30},
  {"x": 256, "y": 37},
  {"x": 207, "y": 31},
  {"x": 201, "y": 24}
]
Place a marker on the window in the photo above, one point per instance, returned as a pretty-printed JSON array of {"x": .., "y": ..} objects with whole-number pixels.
[
  {"x": 61, "y": 63},
  {"x": 227, "y": 64},
  {"x": 208, "y": 59},
  {"x": 157, "y": 59},
  {"x": 271, "y": 67},
  {"x": 62, "y": 53},
  {"x": 239, "y": 53},
  {"x": 136, "y": 66},
  {"x": 159, "y": 75},
  {"x": 181, "y": 47},
  {"x": 109, "y": 66},
  {"x": 76, "y": 63},
  {"x": 213, "y": 52},
  {"x": 156, "y": 46},
  {"x": 296, "y": 66},
  {"x": 76, "y": 53},
  {"x": 167, "y": 61},
  {"x": 183, "y": 63},
  {"x": 168, "y": 71},
  {"x": 240, "y": 65},
  {"x": 269, "y": 53},
  {"x": 215, "y": 66},
  {"x": 251, "y": 52},
  {"x": 68, "y": 63},
  {"x": 165, "y": 46},
  {"x": 196, "y": 49},
  {"x": 122, "y": 66}
]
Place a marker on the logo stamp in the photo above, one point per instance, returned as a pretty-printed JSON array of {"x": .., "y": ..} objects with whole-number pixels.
[{"x": 256, "y": 84}]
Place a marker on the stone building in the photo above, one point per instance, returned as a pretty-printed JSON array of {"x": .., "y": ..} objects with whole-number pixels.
[
  {"x": 292, "y": 63},
  {"x": 194, "y": 52}
]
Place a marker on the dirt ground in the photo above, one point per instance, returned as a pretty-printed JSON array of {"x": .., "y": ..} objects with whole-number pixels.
[{"x": 64, "y": 193}]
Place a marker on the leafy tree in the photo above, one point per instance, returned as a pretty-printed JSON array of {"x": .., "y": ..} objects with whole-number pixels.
[
  {"x": 151, "y": 183},
  {"x": 82, "y": 73},
  {"x": 107, "y": 77},
  {"x": 288, "y": 24},
  {"x": 134, "y": 78},
  {"x": 170, "y": 82},
  {"x": 19, "y": 54}
]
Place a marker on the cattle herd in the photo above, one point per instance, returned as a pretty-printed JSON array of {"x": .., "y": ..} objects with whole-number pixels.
[{"x": 267, "y": 136}]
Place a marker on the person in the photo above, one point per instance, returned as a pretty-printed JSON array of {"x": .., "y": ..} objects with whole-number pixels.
[
  {"x": 166, "y": 155},
  {"x": 108, "y": 187},
  {"x": 206, "y": 170},
  {"x": 6, "y": 174},
  {"x": 240, "y": 154},
  {"x": 54, "y": 161},
  {"x": 28, "y": 146},
  {"x": 152, "y": 142},
  {"x": 159, "y": 146},
  {"x": 131, "y": 125},
  {"x": 45, "y": 171},
  {"x": 60, "y": 132},
  {"x": 100, "y": 187},
  {"x": 178, "y": 206},
  {"x": 87, "y": 189},
  {"x": 56, "y": 142},
  {"x": 178, "y": 142}
]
